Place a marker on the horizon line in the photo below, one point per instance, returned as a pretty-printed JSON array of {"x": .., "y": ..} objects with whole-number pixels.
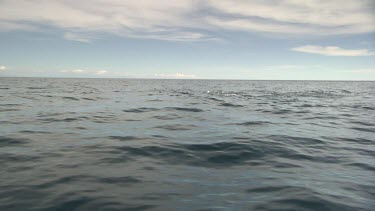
[{"x": 212, "y": 79}]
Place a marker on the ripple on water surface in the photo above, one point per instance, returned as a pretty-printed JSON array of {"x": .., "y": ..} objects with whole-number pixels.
[{"x": 114, "y": 144}]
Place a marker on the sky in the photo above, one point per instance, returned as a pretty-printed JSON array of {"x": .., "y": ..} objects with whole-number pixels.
[{"x": 189, "y": 39}]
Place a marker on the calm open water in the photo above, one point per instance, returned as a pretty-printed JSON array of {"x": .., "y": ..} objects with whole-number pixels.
[{"x": 116, "y": 144}]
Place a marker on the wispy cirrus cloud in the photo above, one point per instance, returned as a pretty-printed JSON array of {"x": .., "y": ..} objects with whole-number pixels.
[
  {"x": 186, "y": 20},
  {"x": 78, "y": 37},
  {"x": 315, "y": 17},
  {"x": 332, "y": 51}
]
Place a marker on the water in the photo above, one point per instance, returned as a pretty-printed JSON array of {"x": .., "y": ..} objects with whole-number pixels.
[{"x": 115, "y": 144}]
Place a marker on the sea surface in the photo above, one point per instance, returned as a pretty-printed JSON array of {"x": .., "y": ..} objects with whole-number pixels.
[{"x": 132, "y": 144}]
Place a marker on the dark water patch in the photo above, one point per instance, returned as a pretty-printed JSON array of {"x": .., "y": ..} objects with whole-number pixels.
[
  {"x": 149, "y": 168},
  {"x": 184, "y": 93},
  {"x": 254, "y": 123},
  {"x": 20, "y": 198},
  {"x": 303, "y": 112},
  {"x": 185, "y": 109},
  {"x": 71, "y": 98},
  {"x": 19, "y": 169},
  {"x": 322, "y": 117},
  {"x": 8, "y": 157},
  {"x": 209, "y": 155},
  {"x": 91, "y": 99},
  {"x": 140, "y": 110},
  {"x": 119, "y": 180},
  {"x": 215, "y": 99},
  {"x": 160, "y": 136},
  {"x": 363, "y": 166},
  {"x": 159, "y": 196},
  {"x": 363, "y": 129},
  {"x": 304, "y": 203},
  {"x": 222, "y": 146},
  {"x": 369, "y": 108},
  {"x": 363, "y": 141},
  {"x": 367, "y": 152},
  {"x": 104, "y": 117},
  {"x": 241, "y": 138},
  {"x": 34, "y": 132},
  {"x": 167, "y": 117},
  {"x": 62, "y": 181},
  {"x": 71, "y": 202},
  {"x": 69, "y": 119},
  {"x": 346, "y": 91},
  {"x": 34, "y": 87},
  {"x": 363, "y": 123},
  {"x": 282, "y": 165},
  {"x": 176, "y": 127},
  {"x": 10, "y": 104},
  {"x": 8, "y": 123},
  {"x": 7, "y": 141},
  {"x": 286, "y": 189},
  {"x": 155, "y": 100},
  {"x": 9, "y": 109},
  {"x": 306, "y": 106},
  {"x": 126, "y": 138},
  {"x": 282, "y": 111},
  {"x": 230, "y": 105},
  {"x": 53, "y": 114}
]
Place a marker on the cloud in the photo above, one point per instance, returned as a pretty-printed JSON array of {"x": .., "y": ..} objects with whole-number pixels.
[
  {"x": 101, "y": 72},
  {"x": 74, "y": 71},
  {"x": 77, "y": 37},
  {"x": 106, "y": 73},
  {"x": 3, "y": 68},
  {"x": 187, "y": 20},
  {"x": 175, "y": 76},
  {"x": 86, "y": 72},
  {"x": 317, "y": 17},
  {"x": 332, "y": 51}
]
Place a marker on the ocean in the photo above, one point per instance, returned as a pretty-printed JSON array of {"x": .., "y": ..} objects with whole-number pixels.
[{"x": 142, "y": 144}]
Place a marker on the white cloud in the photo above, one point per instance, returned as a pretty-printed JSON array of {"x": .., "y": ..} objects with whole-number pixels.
[
  {"x": 106, "y": 73},
  {"x": 187, "y": 20},
  {"x": 332, "y": 51},
  {"x": 12, "y": 26},
  {"x": 77, "y": 37},
  {"x": 174, "y": 75},
  {"x": 3, "y": 68},
  {"x": 74, "y": 71},
  {"x": 86, "y": 72},
  {"x": 101, "y": 72},
  {"x": 317, "y": 17}
]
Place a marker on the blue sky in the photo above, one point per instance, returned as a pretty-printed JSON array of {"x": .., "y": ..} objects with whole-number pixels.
[{"x": 210, "y": 39}]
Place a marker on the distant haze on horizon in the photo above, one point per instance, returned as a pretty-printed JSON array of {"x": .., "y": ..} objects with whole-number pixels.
[{"x": 188, "y": 39}]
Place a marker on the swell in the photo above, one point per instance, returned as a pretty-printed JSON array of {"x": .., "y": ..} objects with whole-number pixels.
[
  {"x": 116, "y": 144},
  {"x": 216, "y": 155}
]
